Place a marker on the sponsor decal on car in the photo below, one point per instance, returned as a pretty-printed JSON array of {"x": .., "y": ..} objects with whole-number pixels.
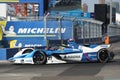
[{"x": 75, "y": 56}]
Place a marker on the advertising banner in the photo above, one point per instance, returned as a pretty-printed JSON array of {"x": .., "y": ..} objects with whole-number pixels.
[
  {"x": 59, "y": 30},
  {"x": 34, "y": 34},
  {"x": 22, "y": 8}
]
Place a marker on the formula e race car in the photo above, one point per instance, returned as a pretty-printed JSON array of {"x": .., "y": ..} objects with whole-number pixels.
[{"x": 63, "y": 54}]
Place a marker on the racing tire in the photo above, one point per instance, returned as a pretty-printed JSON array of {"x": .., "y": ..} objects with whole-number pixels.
[
  {"x": 103, "y": 56},
  {"x": 111, "y": 56},
  {"x": 39, "y": 57}
]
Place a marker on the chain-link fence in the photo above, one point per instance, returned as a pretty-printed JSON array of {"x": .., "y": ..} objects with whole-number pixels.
[
  {"x": 58, "y": 29},
  {"x": 84, "y": 31},
  {"x": 113, "y": 32},
  {"x": 90, "y": 31}
]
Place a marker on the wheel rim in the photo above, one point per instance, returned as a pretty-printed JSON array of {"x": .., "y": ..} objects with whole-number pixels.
[
  {"x": 103, "y": 56},
  {"x": 38, "y": 58}
]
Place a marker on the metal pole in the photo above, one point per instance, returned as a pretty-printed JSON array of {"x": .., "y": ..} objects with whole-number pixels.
[
  {"x": 73, "y": 28},
  {"x": 89, "y": 32},
  {"x": 45, "y": 25},
  {"x": 60, "y": 26},
  {"x": 83, "y": 32},
  {"x": 110, "y": 11}
]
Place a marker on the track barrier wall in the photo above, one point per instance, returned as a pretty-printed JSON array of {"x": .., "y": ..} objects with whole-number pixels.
[
  {"x": 7, "y": 53},
  {"x": 3, "y": 55},
  {"x": 113, "y": 31}
]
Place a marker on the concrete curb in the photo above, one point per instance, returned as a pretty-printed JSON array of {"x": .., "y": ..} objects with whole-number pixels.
[{"x": 4, "y": 62}]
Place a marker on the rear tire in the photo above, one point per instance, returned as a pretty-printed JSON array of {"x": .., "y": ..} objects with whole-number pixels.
[
  {"x": 103, "y": 56},
  {"x": 39, "y": 57}
]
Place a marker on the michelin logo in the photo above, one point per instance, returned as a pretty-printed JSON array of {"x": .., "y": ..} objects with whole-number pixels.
[
  {"x": 33, "y": 30},
  {"x": 13, "y": 44},
  {"x": 19, "y": 45},
  {"x": 8, "y": 32},
  {"x": 40, "y": 30}
]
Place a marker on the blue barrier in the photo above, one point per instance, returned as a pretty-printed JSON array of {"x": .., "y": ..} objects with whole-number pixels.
[
  {"x": 6, "y": 53},
  {"x": 2, "y": 54},
  {"x": 10, "y": 52}
]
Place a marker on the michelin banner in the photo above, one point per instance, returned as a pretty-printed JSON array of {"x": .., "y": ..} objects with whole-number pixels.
[{"x": 33, "y": 34}]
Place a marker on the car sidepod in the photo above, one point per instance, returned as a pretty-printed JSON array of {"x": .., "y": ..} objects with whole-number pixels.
[
  {"x": 89, "y": 57},
  {"x": 64, "y": 56}
]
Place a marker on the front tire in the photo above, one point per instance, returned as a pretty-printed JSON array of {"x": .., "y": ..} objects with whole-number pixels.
[
  {"x": 103, "y": 56},
  {"x": 39, "y": 57}
]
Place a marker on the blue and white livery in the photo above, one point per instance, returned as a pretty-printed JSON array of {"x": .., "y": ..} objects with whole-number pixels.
[{"x": 64, "y": 54}]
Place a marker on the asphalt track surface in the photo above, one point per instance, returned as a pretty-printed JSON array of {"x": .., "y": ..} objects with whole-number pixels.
[{"x": 72, "y": 71}]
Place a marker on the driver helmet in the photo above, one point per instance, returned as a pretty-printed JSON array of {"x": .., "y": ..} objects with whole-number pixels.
[{"x": 71, "y": 40}]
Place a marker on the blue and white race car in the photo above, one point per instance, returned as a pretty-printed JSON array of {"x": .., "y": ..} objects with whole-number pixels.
[{"x": 64, "y": 54}]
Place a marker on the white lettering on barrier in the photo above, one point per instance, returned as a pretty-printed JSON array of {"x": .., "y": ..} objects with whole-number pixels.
[
  {"x": 40, "y": 30},
  {"x": 33, "y": 45}
]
